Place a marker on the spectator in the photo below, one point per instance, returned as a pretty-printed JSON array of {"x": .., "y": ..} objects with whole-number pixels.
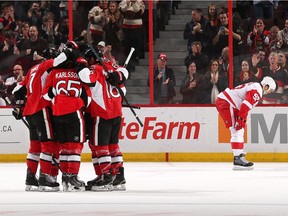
[
  {"x": 194, "y": 29},
  {"x": 280, "y": 76},
  {"x": 49, "y": 31},
  {"x": 113, "y": 31},
  {"x": 164, "y": 81},
  {"x": 224, "y": 68},
  {"x": 282, "y": 60},
  {"x": 164, "y": 10},
  {"x": 7, "y": 20},
  {"x": 132, "y": 12},
  {"x": 34, "y": 15},
  {"x": 9, "y": 53},
  {"x": 32, "y": 48},
  {"x": 105, "y": 51},
  {"x": 257, "y": 62},
  {"x": 220, "y": 39},
  {"x": 211, "y": 28},
  {"x": 17, "y": 76},
  {"x": 274, "y": 39},
  {"x": 97, "y": 18},
  {"x": 246, "y": 74},
  {"x": 22, "y": 34},
  {"x": 212, "y": 82},
  {"x": 196, "y": 55},
  {"x": 283, "y": 37},
  {"x": 191, "y": 88},
  {"x": 258, "y": 38},
  {"x": 265, "y": 9},
  {"x": 63, "y": 29}
]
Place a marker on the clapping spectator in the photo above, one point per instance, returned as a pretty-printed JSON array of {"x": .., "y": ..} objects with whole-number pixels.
[
  {"x": 49, "y": 31},
  {"x": 7, "y": 20},
  {"x": 191, "y": 88},
  {"x": 194, "y": 29},
  {"x": 97, "y": 18},
  {"x": 164, "y": 81},
  {"x": 16, "y": 77},
  {"x": 34, "y": 15},
  {"x": 246, "y": 74},
  {"x": 258, "y": 38},
  {"x": 8, "y": 53},
  {"x": 212, "y": 82},
  {"x": 113, "y": 31}
]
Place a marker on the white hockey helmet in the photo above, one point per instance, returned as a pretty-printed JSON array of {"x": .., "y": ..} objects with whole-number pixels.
[{"x": 270, "y": 82}]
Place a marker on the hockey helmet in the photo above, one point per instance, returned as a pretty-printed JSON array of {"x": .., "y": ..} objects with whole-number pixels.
[
  {"x": 50, "y": 53},
  {"x": 270, "y": 82}
]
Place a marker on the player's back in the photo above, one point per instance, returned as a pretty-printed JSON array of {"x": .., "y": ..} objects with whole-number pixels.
[{"x": 242, "y": 92}]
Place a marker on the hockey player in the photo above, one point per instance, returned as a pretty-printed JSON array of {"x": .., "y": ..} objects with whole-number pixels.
[
  {"x": 106, "y": 112},
  {"x": 233, "y": 105},
  {"x": 38, "y": 114},
  {"x": 69, "y": 97}
]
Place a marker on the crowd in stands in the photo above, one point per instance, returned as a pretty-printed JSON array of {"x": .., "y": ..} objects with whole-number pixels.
[
  {"x": 260, "y": 41},
  {"x": 260, "y": 34}
]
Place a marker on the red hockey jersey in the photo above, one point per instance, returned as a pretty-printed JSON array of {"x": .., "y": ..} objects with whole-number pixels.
[
  {"x": 106, "y": 99},
  {"x": 67, "y": 90},
  {"x": 34, "y": 82}
]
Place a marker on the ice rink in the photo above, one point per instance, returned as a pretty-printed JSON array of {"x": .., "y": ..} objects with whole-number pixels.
[{"x": 196, "y": 189}]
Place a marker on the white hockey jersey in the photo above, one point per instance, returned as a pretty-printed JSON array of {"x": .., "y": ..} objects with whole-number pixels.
[{"x": 243, "y": 97}]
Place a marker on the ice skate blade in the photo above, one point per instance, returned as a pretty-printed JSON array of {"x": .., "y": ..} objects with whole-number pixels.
[
  {"x": 120, "y": 187},
  {"x": 241, "y": 168},
  {"x": 72, "y": 188},
  {"x": 102, "y": 188},
  {"x": 48, "y": 189},
  {"x": 31, "y": 188}
]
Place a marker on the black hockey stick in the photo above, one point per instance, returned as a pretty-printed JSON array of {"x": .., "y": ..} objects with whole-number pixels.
[
  {"x": 27, "y": 125},
  {"x": 106, "y": 69},
  {"x": 15, "y": 109}
]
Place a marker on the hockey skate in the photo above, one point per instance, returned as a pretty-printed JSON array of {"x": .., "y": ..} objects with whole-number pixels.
[
  {"x": 47, "y": 183},
  {"x": 31, "y": 182},
  {"x": 119, "y": 181},
  {"x": 240, "y": 163},
  {"x": 102, "y": 183},
  {"x": 71, "y": 183}
]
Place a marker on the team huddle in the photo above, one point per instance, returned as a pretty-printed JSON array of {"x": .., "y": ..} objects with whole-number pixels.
[{"x": 67, "y": 99}]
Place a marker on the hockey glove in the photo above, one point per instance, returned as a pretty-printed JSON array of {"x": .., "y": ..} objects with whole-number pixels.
[
  {"x": 240, "y": 123},
  {"x": 72, "y": 54},
  {"x": 17, "y": 114},
  {"x": 115, "y": 78}
]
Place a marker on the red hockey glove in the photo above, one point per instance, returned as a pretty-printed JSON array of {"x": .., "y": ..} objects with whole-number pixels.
[{"x": 240, "y": 123}]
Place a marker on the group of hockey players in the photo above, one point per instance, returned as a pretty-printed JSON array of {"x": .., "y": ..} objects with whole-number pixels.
[{"x": 68, "y": 98}]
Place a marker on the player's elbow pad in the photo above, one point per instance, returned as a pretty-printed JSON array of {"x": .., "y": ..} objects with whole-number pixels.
[
  {"x": 59, "y": 59},
  {"x": 124, "y": 72},
  {"x": 84, "y": 75}
]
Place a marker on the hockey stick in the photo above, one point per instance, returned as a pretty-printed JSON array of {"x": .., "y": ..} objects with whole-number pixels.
[
  {"x": 27, "y": 125},
  {"x": 106, "y": 69},
  {"x": 129, "y": 56},
  {"x": 15, "y": 109}
]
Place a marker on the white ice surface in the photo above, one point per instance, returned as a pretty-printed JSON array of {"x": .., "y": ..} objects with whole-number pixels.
[{"x": 196, "y": 189}]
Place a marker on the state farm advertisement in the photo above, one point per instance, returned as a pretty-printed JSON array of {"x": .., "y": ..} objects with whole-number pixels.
[{"x": 173, "y": 129}]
